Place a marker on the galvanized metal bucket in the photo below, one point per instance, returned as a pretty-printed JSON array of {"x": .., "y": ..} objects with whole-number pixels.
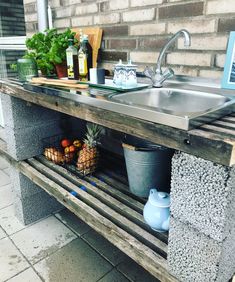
[{"x": 148, "y": 166}]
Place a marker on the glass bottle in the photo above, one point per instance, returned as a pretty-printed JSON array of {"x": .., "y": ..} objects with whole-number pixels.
[
  {"x": 85, "y": 58},
  {"x": 72, "y": 60}
]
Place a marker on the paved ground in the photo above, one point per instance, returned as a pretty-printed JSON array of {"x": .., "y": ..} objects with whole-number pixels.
[{"x": 58, "y": 248}]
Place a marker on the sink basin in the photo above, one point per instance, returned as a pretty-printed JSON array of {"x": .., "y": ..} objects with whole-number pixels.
[{"x": 180, "y": 108}]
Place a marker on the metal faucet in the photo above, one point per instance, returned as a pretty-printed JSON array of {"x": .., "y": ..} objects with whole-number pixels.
[{"x": 158, "y": 77}]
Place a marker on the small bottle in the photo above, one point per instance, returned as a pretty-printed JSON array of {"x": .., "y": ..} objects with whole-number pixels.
[
  {"x": 72, "y": 60},
  {"x": 85, "y": 58}
]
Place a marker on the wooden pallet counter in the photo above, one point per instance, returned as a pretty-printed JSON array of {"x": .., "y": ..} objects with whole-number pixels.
[
  {"x": 214, "y": 142},
  {"x": 202, "y": 227}
]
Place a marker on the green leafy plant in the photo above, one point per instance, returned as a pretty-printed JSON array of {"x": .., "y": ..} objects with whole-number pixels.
[
  {"x": 57, "y": 52},
  {"x": 48, "y": 49}
]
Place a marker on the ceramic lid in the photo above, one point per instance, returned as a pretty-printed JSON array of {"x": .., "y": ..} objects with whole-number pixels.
[
  {"x": 159, "y": 199},
  {"x": 130, "y": 65},
  {"x": 119, "y": 63}
]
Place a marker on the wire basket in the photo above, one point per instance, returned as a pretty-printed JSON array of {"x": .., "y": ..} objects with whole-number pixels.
[{"x": 71, "y": 154}]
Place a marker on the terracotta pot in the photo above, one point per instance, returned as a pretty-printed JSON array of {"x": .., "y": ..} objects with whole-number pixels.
[{"x": 61, "y": 70}]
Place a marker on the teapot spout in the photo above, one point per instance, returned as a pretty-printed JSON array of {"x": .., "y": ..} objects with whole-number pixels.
[{"x": 153, "y": 191}]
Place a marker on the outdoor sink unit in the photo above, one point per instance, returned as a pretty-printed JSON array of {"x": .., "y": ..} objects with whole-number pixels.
[{"x": 179, "y": 108}]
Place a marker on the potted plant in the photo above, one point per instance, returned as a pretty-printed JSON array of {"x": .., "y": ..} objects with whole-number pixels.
[{"x": 49, "y": 51}]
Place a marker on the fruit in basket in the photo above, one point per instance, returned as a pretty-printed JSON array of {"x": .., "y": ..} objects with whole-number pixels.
[
  {"x": 68, "y": 157},
  {"x": 52, "y": 154},
  {"x": 65, "y": 143},
  {"x": 77, "y": 144},
  {"x": 70, "y": 149},
  {"x": 88, "y": 156}
]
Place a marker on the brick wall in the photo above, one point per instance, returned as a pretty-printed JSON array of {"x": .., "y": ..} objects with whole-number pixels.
[{"x": 137, "y": 29}]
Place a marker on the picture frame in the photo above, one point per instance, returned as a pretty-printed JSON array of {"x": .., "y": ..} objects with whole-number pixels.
[{"x": 228, "y": 80}]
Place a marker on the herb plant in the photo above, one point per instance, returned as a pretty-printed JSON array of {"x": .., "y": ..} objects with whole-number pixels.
[{"x": 48, "y": 49}]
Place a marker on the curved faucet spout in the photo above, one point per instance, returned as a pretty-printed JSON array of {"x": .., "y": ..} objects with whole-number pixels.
[
  {"x": 158, "y": 77},
  {"x": 187, "y": 43}
]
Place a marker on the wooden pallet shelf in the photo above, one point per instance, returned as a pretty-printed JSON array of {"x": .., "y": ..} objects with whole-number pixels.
[{"x": 106, "y": 205}]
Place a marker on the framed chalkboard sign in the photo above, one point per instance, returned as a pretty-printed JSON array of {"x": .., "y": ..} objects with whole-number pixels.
[{"x": 228, "y": 80}]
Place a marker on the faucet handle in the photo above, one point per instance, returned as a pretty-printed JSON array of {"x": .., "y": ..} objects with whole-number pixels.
[
  {"x": 168, "y": 73},
  {"x": 162, "y": 77},
  {"x": 148, "y": 72}
]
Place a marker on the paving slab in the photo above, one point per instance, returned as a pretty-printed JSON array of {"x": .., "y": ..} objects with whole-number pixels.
[
  {"x": 2, "y": 233},
  {"x": 29, "y": 275},
  {"x": 3, "y": 163},
  {"x": 7, "y": 170},
  {"x": 42, "y": 238},
  {"x": 114, "y": 276},
  {"x": 11, "y": 260},
  {"x": 76, "y": 261},
  {"x": 104, "y": 247},
  {"x": 9, "y": 222},
  {"x": 73, "y": 222},
  {"x": 6, "y": 196},
  {"x": 135, "y": 272},
  {"x": 4, "y": 179}
]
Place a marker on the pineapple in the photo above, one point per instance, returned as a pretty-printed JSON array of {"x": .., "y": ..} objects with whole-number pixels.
[{"x": 88, "y": 156}]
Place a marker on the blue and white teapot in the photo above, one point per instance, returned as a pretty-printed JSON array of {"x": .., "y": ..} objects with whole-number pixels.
[{"x": 157, "y": 210}]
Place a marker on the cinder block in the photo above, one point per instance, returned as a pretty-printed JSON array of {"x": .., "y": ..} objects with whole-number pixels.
[
  {"x": 202, "y": 194},
  {"x": 35, "y": 207},
  {"x": 27, "y": 142},
  {"x": 194, "y": 257},
  {"x": 20, "y": 114},
  {"x": 22, "y": 186}
]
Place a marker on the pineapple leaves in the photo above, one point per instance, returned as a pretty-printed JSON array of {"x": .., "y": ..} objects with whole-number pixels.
[{"x": 92, "y": 135}]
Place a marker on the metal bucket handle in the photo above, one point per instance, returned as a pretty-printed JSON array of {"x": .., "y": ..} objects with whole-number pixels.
[{"x": 133, "y": 148}]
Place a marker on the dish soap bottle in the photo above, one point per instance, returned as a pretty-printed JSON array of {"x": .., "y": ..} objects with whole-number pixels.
[
  {"x": 72, "y": 60},
  {"x": 85, "y": 58}
]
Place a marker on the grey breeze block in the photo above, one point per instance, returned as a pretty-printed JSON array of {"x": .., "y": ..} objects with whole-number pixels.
[
  {"x": 27, "y": 142},
  {"x": 195, "y": 257},
  {"x": 32, "y": 208},
  {"x": 20, "y": 114},
  {"x": 31, "y": 202},
  {"x": 23, "y": 187},
  {"x": 203, "y": 195}
]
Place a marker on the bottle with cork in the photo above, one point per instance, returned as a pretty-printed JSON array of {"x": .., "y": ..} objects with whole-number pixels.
[
  {"x": 72, "y": 60},
  {"x": 84, "y": 58}
]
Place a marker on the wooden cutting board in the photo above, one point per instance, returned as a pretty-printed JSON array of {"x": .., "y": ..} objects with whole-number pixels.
[
  {"x": 95, "y": 36},
  {"x": 58, "y": 82}
]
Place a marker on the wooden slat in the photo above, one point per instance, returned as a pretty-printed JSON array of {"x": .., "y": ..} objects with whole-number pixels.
[
  {"x": 225, "y": 124},
  {"x": 208, "y": 145},
  {"x": 103, "y": 208},
  {"x": 225, "y": 131}
]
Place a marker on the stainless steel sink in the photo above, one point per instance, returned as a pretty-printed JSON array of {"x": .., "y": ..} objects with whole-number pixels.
[{"x": 180, "y": 108}]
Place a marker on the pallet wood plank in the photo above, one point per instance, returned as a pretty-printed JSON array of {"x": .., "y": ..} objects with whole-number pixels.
[
  {"x": 228, "y": 119},
  {"x": 213, "y": 147}
]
